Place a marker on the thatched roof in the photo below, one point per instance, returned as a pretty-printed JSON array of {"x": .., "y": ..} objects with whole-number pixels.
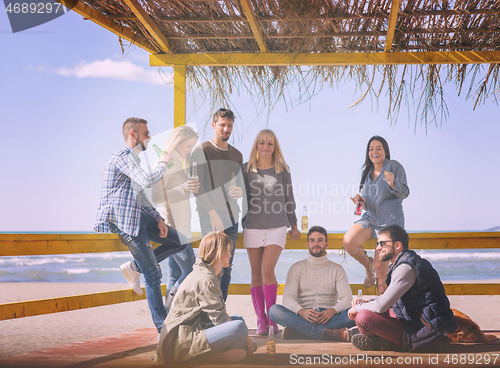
[{"x": 370, "y": 27}]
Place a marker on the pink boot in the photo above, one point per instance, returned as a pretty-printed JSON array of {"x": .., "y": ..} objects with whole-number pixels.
[
  {"x": 259, "y": 306},
  {"x": 270, "y": 296}
]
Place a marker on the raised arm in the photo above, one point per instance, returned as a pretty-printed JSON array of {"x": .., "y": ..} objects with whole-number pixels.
[
  {"x": 141, "y": 179},
  {"x": 397, "y": 180}
]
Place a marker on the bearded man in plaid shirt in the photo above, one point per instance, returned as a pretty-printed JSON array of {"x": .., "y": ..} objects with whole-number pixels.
[{"x": 124, "y": 209}]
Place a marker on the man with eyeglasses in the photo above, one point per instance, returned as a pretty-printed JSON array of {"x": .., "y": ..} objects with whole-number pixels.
[
  {"x": 124, "y": 209},
  {"x": 414, "y": 311}
]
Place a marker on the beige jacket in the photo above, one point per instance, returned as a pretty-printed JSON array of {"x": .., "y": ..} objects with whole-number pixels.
[
  {"x": 170, "y": 199},
  {"x": 198, "y": 303}
]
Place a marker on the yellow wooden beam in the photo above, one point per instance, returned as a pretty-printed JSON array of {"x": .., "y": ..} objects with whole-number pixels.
[
  {"x": 418, "y": 241},
  {"x": 244, "y": 289},
  {"x": 109, "y": 24},
  {"x": 69, "y": 303},
  {"x": 64, "y": 304},
  {"x": 149, "y": 24},
  {"x": 472, "y": 289},
  {"x": 353, "y": 58},
  {"x": 451, "y": 289},
  {"x": 391, "y": 27},
  {"x": 467, "y": 240},
  {"x": 179, "y": 95},
  {"x": 249, "y": 13},
  {"x": 45, "y": 244}
]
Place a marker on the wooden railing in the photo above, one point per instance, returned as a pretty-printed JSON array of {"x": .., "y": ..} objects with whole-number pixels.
[{"x": 51, "y": 244}]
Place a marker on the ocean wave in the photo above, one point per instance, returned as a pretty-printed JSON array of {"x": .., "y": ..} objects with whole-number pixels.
[
  {"x": 64, "y": 258},
  {"x": 104, "y": 256},
  {"x": 29, "y": 261},
  {"x": 460, "y": 256},
  {"x": 88, "y": 270},
  {"x": 111, "y": 269},
  {"x": 76, "y": 270},
  {"x": 480, "y": 264}
]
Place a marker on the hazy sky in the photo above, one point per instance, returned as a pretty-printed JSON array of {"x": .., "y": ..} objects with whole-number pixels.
[{"x": 66, "y": 90}]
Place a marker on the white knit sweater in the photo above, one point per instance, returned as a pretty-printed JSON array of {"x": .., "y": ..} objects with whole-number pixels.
[{"x": 317, "y": 279}]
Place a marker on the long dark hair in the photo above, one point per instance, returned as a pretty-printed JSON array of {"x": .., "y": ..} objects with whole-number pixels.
[{"x": 368, "y": 163}]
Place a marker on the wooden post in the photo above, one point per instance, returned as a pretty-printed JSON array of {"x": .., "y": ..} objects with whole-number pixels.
[{"x": 179, "y": 95}]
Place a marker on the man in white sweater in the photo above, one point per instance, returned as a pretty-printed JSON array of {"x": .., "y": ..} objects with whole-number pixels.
[{"x": 316, "y": 295}]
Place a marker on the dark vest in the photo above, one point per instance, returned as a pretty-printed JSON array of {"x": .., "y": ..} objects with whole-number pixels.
[{"x": 424, "y": 310}]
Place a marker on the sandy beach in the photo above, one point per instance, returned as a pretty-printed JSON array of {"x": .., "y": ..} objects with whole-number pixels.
[{"x": 23, "y": 335}]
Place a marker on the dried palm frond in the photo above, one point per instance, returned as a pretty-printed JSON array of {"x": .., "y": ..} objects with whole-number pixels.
[{"x": 328, "y": 26}]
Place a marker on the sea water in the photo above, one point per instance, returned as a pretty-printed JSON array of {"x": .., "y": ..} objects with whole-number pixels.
[{"x": 452, "y": 265}]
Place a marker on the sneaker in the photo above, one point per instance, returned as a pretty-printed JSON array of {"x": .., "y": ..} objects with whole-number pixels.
[
  {"x": 353, "y": 331},
  {"x": 290, "y": 334},
  {"x": 335, "y": 334},
  {"x": 373, "y": 343},
  {"x": 132, "y": 276}
]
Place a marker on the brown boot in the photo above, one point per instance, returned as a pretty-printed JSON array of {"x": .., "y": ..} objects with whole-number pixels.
[
  {"x": 337, "y": 334},
  {"x": 290, "y": 334},
  {"x": 370, "y": 272},
  {"x": 359, "y": 254}
]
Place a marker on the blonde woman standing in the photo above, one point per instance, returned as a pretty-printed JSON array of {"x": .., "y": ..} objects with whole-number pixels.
[
  {"x": 270, "y": 211},
  {"x": 171, "y": 198}
]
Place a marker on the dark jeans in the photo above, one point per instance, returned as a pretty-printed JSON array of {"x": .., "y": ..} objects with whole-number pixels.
[
  {"x": 287, "y": 318},
  {"x": 231, "y": 230},
  {"x": 147, "y": 260}
]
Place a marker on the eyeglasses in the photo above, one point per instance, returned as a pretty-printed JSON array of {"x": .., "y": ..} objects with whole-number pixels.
[
  {"x": 146, "y": 133},
  {"x": 382, "y": 243}
]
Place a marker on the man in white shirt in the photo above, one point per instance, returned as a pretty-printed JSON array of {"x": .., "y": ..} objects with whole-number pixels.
[{"x": 316, "y": 296}]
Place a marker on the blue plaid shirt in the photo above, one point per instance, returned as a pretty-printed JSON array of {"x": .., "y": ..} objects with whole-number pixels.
[{"x": 123, "y": 200}]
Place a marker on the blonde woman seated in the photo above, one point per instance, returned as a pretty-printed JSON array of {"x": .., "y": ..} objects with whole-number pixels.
[{"x": 198, "y": 325}]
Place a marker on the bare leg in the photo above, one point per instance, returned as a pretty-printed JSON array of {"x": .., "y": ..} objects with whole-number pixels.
[
  {"x": 262, "y": 264},
  {"x": 270, "y": 257},
  {"x": 353, "y": 240},
  {"x": 255, "y": 256}
]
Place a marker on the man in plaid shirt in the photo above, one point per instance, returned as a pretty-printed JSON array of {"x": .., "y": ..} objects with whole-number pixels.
[{"x": 124, "y": 209}]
